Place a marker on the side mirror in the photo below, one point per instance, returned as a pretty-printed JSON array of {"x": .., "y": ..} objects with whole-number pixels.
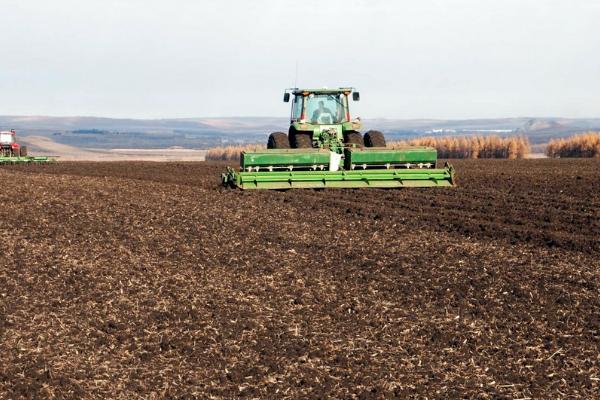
[
  {"x": 286, "y": 97},
  {"x": 355, "y": 96}
]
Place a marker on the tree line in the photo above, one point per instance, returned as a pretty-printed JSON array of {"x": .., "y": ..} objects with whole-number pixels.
[{"x": 581, "y": 145}]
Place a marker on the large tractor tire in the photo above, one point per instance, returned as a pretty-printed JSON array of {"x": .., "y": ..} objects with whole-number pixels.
[
  {"x": 354, "y": 138},
  {"x": 301, "y": 140},
  {"x": 374, "y": 139},
  {"x": 278, "y": 140},
  {"x": 23, "y": 151}
]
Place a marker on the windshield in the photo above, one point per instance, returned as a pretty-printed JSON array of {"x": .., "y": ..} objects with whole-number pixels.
[
  {"x": 326, "y": 108},
  {"x": 6, "y": 137}
]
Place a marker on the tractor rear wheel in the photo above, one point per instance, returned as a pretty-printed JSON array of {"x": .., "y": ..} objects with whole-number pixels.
[
  {"x": 374, "y": 139},
  {"x": 278, "y": 140},
  {"x": 23, "y": 151},
  {"x": 354, "y": 138},
  {"x": 301, "y": 140}
]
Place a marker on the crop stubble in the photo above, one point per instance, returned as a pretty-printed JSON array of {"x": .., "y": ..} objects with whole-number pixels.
[{"x": 150, "y": 280}]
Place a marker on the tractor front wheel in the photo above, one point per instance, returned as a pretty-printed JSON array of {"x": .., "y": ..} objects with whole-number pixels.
[
  {"x": 23, "y": 151},
  {"x": 374, "y": 139},
  {"x": 278, "y": 140},
  {"x": 301, "y": 140},
  {"x": 354, "y": 139}
]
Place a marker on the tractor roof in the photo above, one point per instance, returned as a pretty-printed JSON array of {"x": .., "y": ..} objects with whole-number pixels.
[{"x": 321, "y": 90}]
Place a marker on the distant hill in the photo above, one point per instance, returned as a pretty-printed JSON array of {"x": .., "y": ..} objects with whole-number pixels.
[
  {"x": 200, "y": 133},
  {"x": 541, "y": 125}
]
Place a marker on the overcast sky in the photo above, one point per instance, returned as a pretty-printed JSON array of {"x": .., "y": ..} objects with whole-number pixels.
[{"x": 409, "y": 59}]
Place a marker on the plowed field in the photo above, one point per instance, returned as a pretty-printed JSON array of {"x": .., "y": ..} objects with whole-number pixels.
[{"x": 149, "y": 280}]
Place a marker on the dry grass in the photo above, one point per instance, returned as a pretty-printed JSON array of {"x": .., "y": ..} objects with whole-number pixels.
[
  {"x": 514, "y": 147},
  {"x": 582, "y": 145},
  {"x": 231, "y": 153}
]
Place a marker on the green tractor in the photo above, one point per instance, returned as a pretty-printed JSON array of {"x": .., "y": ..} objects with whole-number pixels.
[{"x": 324, "y": 148}]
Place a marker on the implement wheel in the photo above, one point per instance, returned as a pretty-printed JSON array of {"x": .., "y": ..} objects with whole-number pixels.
[
  {"x": 278, "y": 140},
  {"x": 301, "y": 140},
  {"x": 353, "y": 138},
  {"x": 23, "y": 151},
  {"x": 374, "y": 139}
]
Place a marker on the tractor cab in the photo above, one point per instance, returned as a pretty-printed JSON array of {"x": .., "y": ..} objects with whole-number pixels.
[
  {"x": 320, "y": 106},
  {"x": 320, "y": 118},
  {"x": 8, "y": 145},
  {"x": 7, "y": 137}
]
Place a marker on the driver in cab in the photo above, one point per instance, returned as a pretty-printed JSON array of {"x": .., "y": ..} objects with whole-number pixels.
[{"x": 322, "y": 115}]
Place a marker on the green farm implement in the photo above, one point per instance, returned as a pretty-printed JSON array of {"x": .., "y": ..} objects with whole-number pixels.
[
  {"x": 325, "y": 149},
  {"x": 26, "y": 160}
]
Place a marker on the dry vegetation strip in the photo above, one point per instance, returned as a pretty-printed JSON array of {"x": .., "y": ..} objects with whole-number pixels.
[
  {"x": 448, "y": 147},
  {"x": 229, "y": 153},
  {"x": 582, "y": 145},
  {"x": 473, "y": 147}
]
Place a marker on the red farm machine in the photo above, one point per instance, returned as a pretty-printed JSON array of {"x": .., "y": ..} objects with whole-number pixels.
[{"x": 12, "y": 152}]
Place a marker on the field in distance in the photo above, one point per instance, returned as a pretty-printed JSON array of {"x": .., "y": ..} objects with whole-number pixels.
[{"x": 40, "y": 145}]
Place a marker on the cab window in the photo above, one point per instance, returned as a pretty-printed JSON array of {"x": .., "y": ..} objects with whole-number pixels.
[{"x": 297, "y": 107}]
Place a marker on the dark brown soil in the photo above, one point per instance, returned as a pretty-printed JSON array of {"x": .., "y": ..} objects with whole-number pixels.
[{"x": 149, "y": 280}]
